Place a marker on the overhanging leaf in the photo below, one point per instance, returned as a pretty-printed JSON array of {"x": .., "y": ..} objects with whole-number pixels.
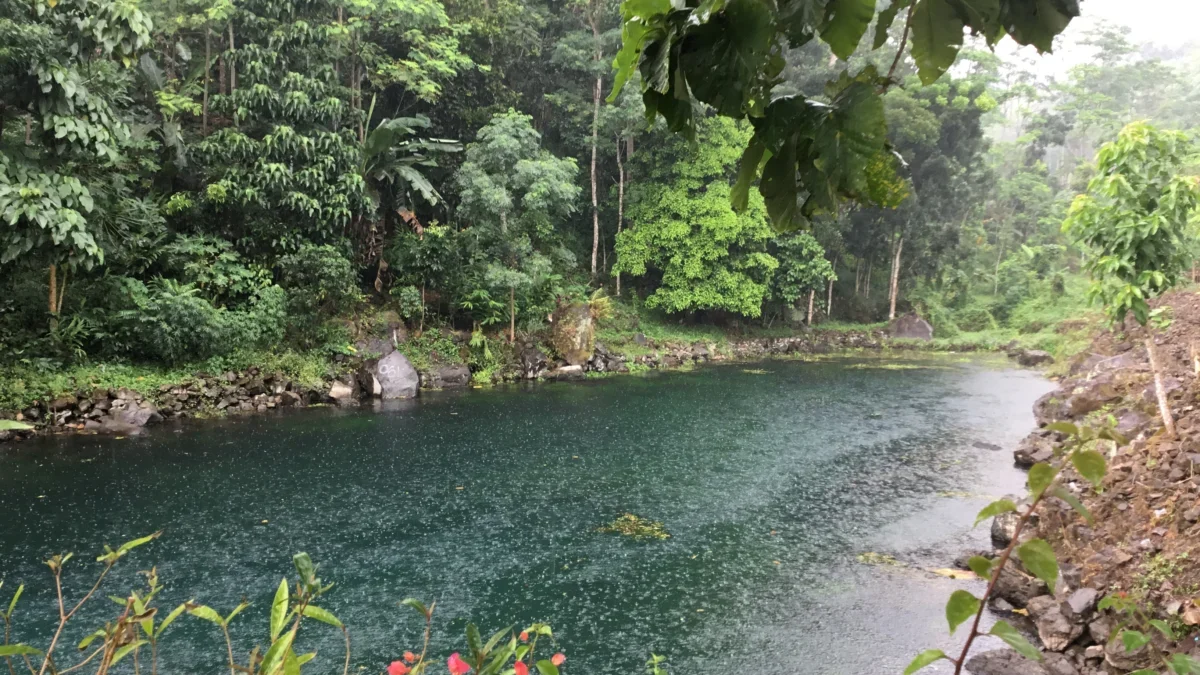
[
  {"x": 1037, "y": 557},
  {"x": 1134, "y": 640},
  {"x": 1006, "y": 632},
  {"x": 18, "y": 650},
  {"x": 1041, "y": 475},
  {"x": 994, "y": 509},
  {"x": 981, "y": 566},
  {"x": 886, "y": 18},
  {"x": 1091, "y": 465},
  {"x": 960, "y": 607},
  {"x": 924, "y": 659},
  {"x": 846, "y": 22},
  {"x": 937, "y": 35}
]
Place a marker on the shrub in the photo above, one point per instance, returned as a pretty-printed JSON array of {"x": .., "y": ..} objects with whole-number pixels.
[{"x": 974, "y": 318}]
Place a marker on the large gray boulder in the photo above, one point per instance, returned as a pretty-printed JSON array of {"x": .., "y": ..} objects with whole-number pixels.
[
  {"x": 397, "y": 377},
  {"x": 1003, "y": 662},
  {"x": 1055, "y": 629},
  {"x": 573, "y": 333},
  {"x": 912, "y": 327},
  {"x": 444, "y": 377}
]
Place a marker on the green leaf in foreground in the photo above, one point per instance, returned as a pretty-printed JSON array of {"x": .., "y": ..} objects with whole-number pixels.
[
  {"x": 546, "y": 668},
  {"x": 322, "y": 615},
  {"x": 961, "y": 606},
  {"x": 1037, "y": 557},
  {"x": 924, "y": 659},
  {"x": 1182, "y": 664},
  {"x": 1063, "y": 428},
  {"x": 13, "y": 425},
  {"x": 1065, "y": 495},
  {"x": 981, "y": 566},
  {"x": 417, "y": 605},
  {"x": 1041, "y": 475},
  {"x": 279, "y": 609},
  {"x": 207, "y": 613},
  {"x": 1134, "y": 640},
  {"x": 18, "y": 650},
  {"x": 1091, "y": 465},
  {"x": 1006, "y": 632},
  {"x": 12, "y": 605},
  {"x": 994, "y": 509}
]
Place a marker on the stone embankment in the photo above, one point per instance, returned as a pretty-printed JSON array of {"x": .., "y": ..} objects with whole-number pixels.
[{"x": 1142, "y": 544}]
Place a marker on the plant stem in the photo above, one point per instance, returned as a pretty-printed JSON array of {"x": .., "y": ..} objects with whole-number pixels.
[
  {"x": 63, "y": 615},
  {"x": 229, "y": 649},
  {"x": 903, "y": 41},
  {"x": 1004, "y": 557}
]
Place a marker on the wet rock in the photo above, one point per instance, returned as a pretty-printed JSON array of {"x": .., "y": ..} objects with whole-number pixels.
[
  {"x": 1054, "y": 628},
  {"x": 1034, "y": 357},
  {"x": 911, "y": 326},
  {"x": 446, "y": 377},
  {"x": 368, "y": 384},
  {"x": 1004, "y": 528},
  {"x": 338, "y": 391},
  {"x": 1037, "y": 447},
  {"x": 1004, "y": 662},
  {"x": 1018, "y": 588},
  {"x": 1092, "y": 395},
  {"x": 375, "y": 347},
  {"x": 1131, "y": 422},
  {"x": 1051, "y": 407},
  {"x": 1116, "y": 656},
  {"x": 397, "y": 377},
  {"x": 573, "y": 333},
  {"x": 533, "y": 362},
  {"x": 568, "y": 372}
]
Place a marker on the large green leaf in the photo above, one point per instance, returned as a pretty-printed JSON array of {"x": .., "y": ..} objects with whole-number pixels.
[
  {"x": 886, "y": 18},
  {"x": 994, "y": 509},
  {"x": 937, "y": 35},
  {"x": 18, "y": 650},
  {"x": 1041, "y": 475},
  {"x": 207, "y": 613},
  {"x": 924, "y": 659},
  {"x": 1134, "y": 640},
  {"x": 1091, "y": 465},
  {"x": 324, "y": 616},
  {"x": 960, "y": 607},
  {"x": 279, "y": 607},
  {"x": 725, "y": 58},
  {"x": 1037, "y": 557},
  {"x": 13, "y": 425},
  {"x": 747, "y": 172},
  {"x": 273, "y": 659},
  {"x": 846, "y": 22},
  {"x": 1006, "y": 632},
  {"x": 778, "y": 188},
  {"x": 1038, "y": 22},
  {"x": 981, "y": 566}
]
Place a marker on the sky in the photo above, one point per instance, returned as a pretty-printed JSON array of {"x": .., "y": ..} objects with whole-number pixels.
[{"x": 1169, "y": 22}]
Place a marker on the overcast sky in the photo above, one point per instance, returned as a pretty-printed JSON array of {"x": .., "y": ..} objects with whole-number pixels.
[{"x": 1170, "y": 22}]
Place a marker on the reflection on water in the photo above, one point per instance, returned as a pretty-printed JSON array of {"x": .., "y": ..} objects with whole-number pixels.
[{"x": 489, "y": 502}]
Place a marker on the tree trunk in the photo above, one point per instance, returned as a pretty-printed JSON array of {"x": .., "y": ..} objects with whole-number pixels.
[
  {"x": 512, "y": 314},
  {"x": 207, "y": 79},
  {"x": 232, "y": 67},
  {"x": 895, "y": 280},
  {"x": 421, "y": 324},
  {"x": 996, "y": 278},
  {"x": 53, "y": 304},
  {"x": 595, "y": 141},
  {"x": 829, "y": 302},
  {"x": 1164, "y": 407},
  {"x": 620, "y": 200},
  {"x": 29, "y": 130},
  {"x": 867, "y": 286},
  {"x": 811, "y": 294},
  {"x": 220, "y": 75},
  {"x": 858, "y": 278}
]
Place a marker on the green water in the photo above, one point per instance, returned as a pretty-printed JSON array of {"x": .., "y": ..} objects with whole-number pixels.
[{"x": 489, "y": 502}]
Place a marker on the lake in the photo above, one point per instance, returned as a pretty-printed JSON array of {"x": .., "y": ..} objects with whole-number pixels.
[{"x": 771, "y": 478}]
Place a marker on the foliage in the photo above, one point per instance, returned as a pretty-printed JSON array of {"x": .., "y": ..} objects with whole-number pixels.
[
  {"x": 709, "y": 256},
  {"x": 138, "y": 627},
  {"x": 811, "y": 152},
  {"x": 1134, "y": 218},
  {"x": 319, "y": 280},
  {"x": 635, "y": 526}
]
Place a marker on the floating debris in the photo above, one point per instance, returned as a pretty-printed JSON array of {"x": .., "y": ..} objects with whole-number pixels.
[
  {"x": 954, "y": 574},
  {"x": 637, "y": 527},
  {"x": 873, "y": 558},
  {"x": 756, "y": 371}
]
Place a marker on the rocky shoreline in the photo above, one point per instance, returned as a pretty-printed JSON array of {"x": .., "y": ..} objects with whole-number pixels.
[{"x": 1145, "y": 539}]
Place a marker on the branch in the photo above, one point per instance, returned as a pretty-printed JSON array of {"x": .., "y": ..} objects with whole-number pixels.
[{"x": 903, "y": 42}]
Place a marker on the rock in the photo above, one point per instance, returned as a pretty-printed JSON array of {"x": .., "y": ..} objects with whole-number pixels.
[
  {"x": 1004, "y": 526},
  {"x": 1050, "y": 408},
  {"x": 1094, "y": 652},
  {"x": 134, "y": 415},
  {"x": 1003, "y": 662},
  {"x": 1018, "y": 588},
  {"x": 1036, "y": 447},
  {"x": 375, "y": 347},
  {"x": 566, "y": 373},
  {"x": 573, "y": 334},
  {"x": 1081, "y": 604},
  {"x": 1055, "y": 630},
  {"x": 640, "y": 339},
  {"x": 290, "y": 398},
  {"x": 397, "y": 377},
  {"x": 368, "y": 384},
  {"x": 63, "y": 402},
  {"x": 1092, "y": 395},
  {"x": 1116, "y": 656},
  {"x": 533, "y": 362},
  {"x": 911, "y": 326},
  {"x": 700, "y": 352},
  {"x": 337, "y": 391},
  {"x": 1058, "y": 664},
  {"x": 1034, "y": 357},
  {"x": 1100, "y": 630},
  {"x": 1170, "y": 386},
  {"x": 445, "y": 377},
  {"x": 1131, "y": 422}
]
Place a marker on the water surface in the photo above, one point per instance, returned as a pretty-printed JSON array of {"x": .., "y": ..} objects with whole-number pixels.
[{"x": 770, "y": 477}]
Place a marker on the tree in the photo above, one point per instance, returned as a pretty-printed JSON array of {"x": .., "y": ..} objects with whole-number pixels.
[
  {"x": 810, "y": 153},
  {"x": 1133, "y": 220},
  {"x": 513, "y": 193},
  {"x": 803, "y": 269},
  {"x": 709, "y": 257}
]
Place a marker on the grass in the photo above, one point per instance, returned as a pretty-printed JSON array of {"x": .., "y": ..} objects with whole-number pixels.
[{"x": 21, "y": 386}]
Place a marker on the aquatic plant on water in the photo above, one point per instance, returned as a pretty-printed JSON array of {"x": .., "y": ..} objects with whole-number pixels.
[{"x": 631, "y": 525}]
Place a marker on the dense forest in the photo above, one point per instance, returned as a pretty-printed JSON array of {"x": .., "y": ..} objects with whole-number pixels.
[{"x": 185, "y": 179}]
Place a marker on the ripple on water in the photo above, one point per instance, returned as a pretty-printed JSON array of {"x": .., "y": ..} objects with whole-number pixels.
[{"x": 489, "y": 502}]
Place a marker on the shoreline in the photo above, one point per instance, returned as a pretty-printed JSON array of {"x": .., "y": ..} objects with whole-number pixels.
[{"x": 125, "y": 411}]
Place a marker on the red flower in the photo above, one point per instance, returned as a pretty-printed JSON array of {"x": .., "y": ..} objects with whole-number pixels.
[
  {"x": 558, "y": 659},
  {"x": 520, "y": 668},
  {"x": 398, "y": 668},
  {"x": 524, "y": 636},
  {"x": 457, "y": 666},
  {"x": 410, "y": 657}
]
